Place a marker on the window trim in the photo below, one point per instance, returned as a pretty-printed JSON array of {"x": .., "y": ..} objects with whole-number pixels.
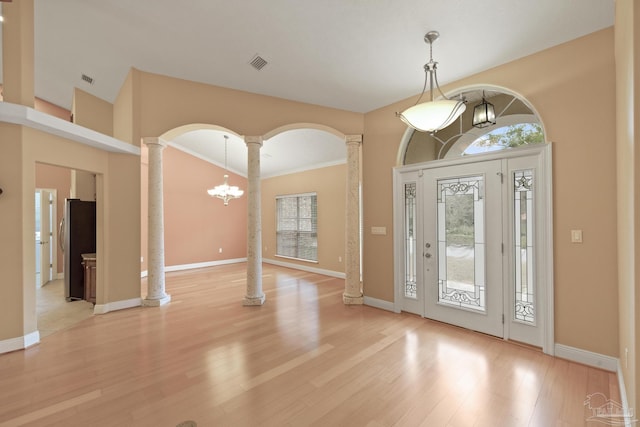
[{"x": 297, "y": 196}]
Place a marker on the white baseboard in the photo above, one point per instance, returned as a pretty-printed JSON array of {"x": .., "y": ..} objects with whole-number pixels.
[
  {"x": 19, "y": 343},
  {"x": 623, "y": 397},
  {"x": 203, "y": 264},
  {"x": 587, "y": 357},
  {"x": 181, "y": 267},
  {"x": 330, "y": 273},
  {"x": 117, "y": 305},
  {"x": 379, "y": 303}
]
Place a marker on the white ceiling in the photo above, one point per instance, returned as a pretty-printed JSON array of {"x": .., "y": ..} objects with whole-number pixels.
[{"x": 356, "y": 55}]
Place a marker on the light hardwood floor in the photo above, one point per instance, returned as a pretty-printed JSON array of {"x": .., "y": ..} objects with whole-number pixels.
[
  {"x": 54, "y": 312},
  {"x": 301, "y": 359}
]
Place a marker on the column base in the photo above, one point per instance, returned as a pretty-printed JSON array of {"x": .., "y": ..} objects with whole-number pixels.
[
  {"x": 352, "y": 300},
  {"x": 156, "y": 302},
  {"x": 248, "y": 301}
]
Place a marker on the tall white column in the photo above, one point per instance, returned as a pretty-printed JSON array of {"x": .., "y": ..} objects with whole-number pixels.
[
  {"x": 156, "y": 295},
  {"x": 254, "y": 295},
  {"x": 352, "y": 286}
]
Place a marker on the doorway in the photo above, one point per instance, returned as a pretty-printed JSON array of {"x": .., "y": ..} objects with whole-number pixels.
[
  {"x": 473, "y": 243},
  {"x": 45, "y": 238},
  {"x": 54, "y": 185}
]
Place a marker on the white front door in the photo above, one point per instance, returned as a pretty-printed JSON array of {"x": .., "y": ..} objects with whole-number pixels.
[
  {"x": 473, "y": 245},
  {"x": 463, "y": 246}
]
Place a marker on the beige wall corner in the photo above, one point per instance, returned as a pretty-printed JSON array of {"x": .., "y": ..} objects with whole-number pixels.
[
  {"x": 627, "y": 51},
  {"x": 126, "y": 111},
  {"x": 92, "y": 112},
  {"x": 18, "y": 52},
  {"x": 121, "y": 198},
  {"x": 13, "y": 227}
]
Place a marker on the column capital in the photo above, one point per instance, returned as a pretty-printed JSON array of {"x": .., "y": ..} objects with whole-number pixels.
[
  {"x": 353, "y": 139},
  {"x": 154, "y": 140},
  {"x": 253, "y": 140}
]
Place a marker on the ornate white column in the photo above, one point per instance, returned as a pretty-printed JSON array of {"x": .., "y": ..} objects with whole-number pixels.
[
  {"x": 254, "y": 295},
  {"x": 352, "y": 286},
  {"x": 156, "y": 295}
]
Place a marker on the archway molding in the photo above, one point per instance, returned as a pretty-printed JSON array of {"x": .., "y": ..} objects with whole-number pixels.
[{"x": 408, "y": 133}]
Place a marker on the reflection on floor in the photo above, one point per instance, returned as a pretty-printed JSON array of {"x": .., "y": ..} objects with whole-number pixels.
[{"x": 54, "y": 312}]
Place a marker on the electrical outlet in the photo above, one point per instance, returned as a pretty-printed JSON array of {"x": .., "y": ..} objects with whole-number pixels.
[
  {"x": 220, "y": 250},
  {"x": 339, "y": 259},
  {"x": 141, "y": 259}
]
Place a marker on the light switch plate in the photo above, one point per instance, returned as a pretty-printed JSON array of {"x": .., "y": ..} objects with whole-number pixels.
[
  {"x": 576, "y": 236},
  {"x": 379, "y": 230}
]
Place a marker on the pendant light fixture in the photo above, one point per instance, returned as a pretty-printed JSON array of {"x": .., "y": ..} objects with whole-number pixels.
[
  {"x": 433, "y": 115},
  {"x": 484, "y": 114},
  {"x": 225, "y": 191}
]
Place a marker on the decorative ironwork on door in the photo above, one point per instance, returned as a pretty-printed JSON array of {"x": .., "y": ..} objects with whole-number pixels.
[
  {"x": 523, "y": 246},
  {"x": 461, "y": 243},
  {"x": 410, "y": 245}
]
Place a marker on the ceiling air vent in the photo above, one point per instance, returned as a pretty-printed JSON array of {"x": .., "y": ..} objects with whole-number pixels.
[
  {"x": 87, "y": 79},
  {"x": 258, "y": 62}
]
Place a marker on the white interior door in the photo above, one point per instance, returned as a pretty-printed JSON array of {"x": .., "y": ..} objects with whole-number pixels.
[
  {"x": 463, "y": 246},
  {"x": 44, "y": 236}
]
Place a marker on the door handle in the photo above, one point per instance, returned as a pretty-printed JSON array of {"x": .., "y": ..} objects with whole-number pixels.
[{"x": 427, "y": 255}]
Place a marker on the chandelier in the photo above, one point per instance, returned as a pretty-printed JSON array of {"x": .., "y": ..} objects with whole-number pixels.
[
  {"x": 433, "y": 115},
  {"x": 225, "y": 191}
]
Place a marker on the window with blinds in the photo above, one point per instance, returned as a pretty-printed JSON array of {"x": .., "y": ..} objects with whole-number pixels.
[{"x": 297, "y": 226}]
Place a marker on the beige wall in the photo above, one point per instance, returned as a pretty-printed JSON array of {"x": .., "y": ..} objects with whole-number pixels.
[
  {"x": 330, "y": 185},
  {"x": 197, "y": 225},
  {"x": 92, "y": 112},
  {"x": 83, "y": 185},
  {"x": 18, "y": 52},
  {"x": 559, "y": 83},
  {"x": 13, "y": 235},
  {"x": 167, "y": 103},
  {"x": 126, "y": 112},
  {"x": 627, "y": 51}
]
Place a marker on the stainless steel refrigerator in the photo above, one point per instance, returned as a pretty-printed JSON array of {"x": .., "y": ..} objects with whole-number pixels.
[{"x": 79, "y": 238}]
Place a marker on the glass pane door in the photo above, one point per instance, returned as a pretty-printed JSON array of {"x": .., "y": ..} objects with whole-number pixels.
[{"x": 463, "y": 272}]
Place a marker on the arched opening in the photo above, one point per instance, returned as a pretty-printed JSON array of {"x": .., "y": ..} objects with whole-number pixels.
[{"x": 294, "y": 159}]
